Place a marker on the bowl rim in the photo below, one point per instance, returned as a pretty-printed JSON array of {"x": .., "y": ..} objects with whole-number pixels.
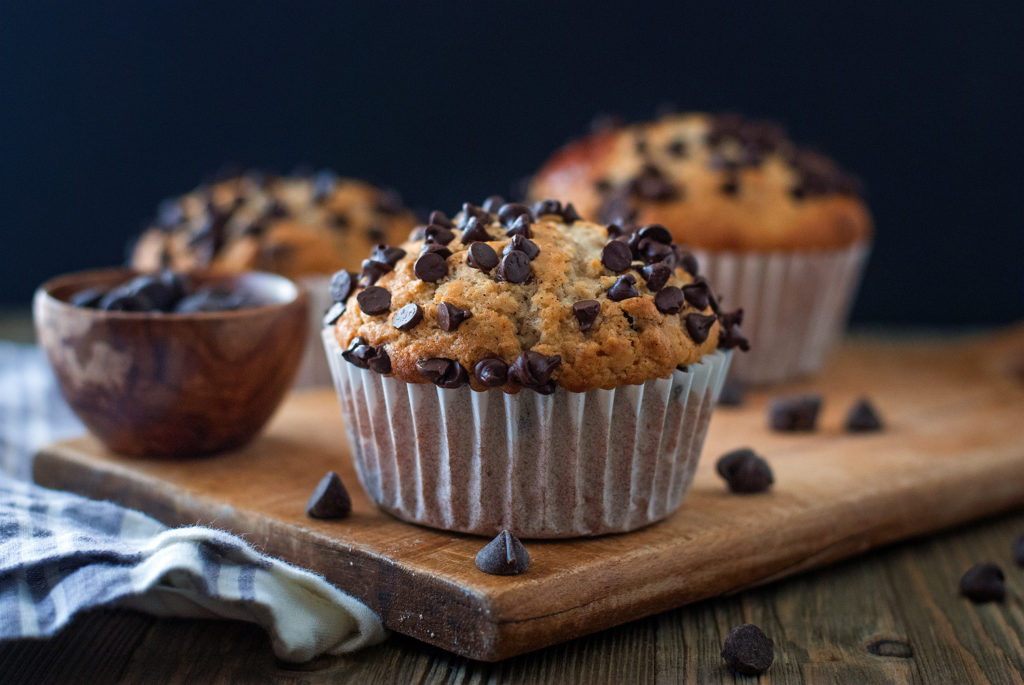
[{"x": 45, "y": 291}]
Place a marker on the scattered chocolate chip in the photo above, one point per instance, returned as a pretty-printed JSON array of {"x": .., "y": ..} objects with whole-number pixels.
[
  {"x": 482, "y": 256},
  {"x": 651, "y": 184},
  {"x": 373, "y": 270},
  {"x": 522, "y": 244},
  {"x": 799, "y": 413},
  {"x": 520, "y": 226},
  {"x": 333, "y": 313},
  {"x": 656, "y": 275},
  {"x": 894, "y": 648},
  {"x": 699, "y": 326},
  {"x": 652, "y": 252},
  {"x": 510, "y": 212},
  {"x": 515, "y": 266},
  {"x": 438, "y": 249},
  {"x": 616, "y": 256},
  {"x": 533, "y": 370},
  {"x": 437, "y": 234},
  {"x": 374, "y": 300},
  {"x": 360, "y": 354},
  {"x": 734, "y": 393},
  {"x": 744, "y": 471},
  {"x": 444, "y": 373},
  {"x": 1018, "y": 550},
  {"x": 491, "y": 372},
  {"x": 669, "y": 300},
  {"x": 687, "y": 262},
  {"x": 475, "y": 230},
  {"x": 586, "y": 312},
  {"x": 430, "y": 267},
  {"x": 863, "y": 418},
  {"x": 545, "y": 207},
  {"x": 697, "y": 294},
  {"x": 387, "y": 254},
  {"x": 747, "y": 650},
  {"x": 90, "y": 297},
  {"x": 210, "y": 300},
  {"x": 408, "y": 317},
  {"x": 439, "y": 218},
  {"x": 655, "y": 232},
  {"x": 341, "y": 285},
  {"x": 449, "y": 317},
  {"x": 503, "y": 556},
  {"x": 983, "y": 583},
  {"x": 729, "y": 335},
  {"x": 677, "y": 148},
  {"x": 569, "y": 214},
  {"x": 493, "y": 203},
  {"x": 330, "y": 500},
  {"x": 615, "y": 231},
  {"x": 470, "y": 211}
]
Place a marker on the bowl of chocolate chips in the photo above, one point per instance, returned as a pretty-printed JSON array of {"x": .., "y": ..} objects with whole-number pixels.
[{"x": 168, "y": 364}]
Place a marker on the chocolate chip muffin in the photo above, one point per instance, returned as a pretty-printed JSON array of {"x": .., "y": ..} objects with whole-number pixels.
[
  {"x": 776, "y": 226},
  {"x": 522, "y": 361}
]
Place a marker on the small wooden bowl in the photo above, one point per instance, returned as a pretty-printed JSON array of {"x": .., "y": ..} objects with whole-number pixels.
[{"x": 173, "y": 385}]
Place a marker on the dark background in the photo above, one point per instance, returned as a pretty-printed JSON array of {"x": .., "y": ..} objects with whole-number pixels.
[{"x": 105, "y": 110}]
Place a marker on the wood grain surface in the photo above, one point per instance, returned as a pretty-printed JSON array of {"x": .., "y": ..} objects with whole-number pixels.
[{"x": 954, "y": 451}]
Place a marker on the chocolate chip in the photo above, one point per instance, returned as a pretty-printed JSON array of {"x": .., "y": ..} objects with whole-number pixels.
[
  {"x": 503, "y": 556},
  {"x": 798, "y": 413},
  {"x": 522, "y": 244},
  {"x": 699, "y": 326},
  {"x": 656, "y": 276},
  {"x": 374, "y": 300},
  {"x": 119, "y": 300},
  {"x": 729, "y": 335},
  {"x": 569, "y": 214},
  {"x": 408, "y": 317},
  {"x": 533, "y": 370},
  {"x": 1018, "y": 550},
  {"x": 380, "y": 362},
  {"x": 470, "y": 211},
  {"x": 616, "y": 256},
  {"x": 444, "y": 373},
  {"x": 161, "y": 295},
  {"x": 387, "y": 254},
  {"x": 210, "y": 300},
  {"x": 475, "y": 230},
  {"x": 615, "y": 231},
  {"x": 669, "y": 300},
  {"x": 893, "y": 648},
  {"x": 747, "y": 650},
  {"x": 655, "y": 232},
  {"x": 510, "y": 212},
  {"x": 90, "y": 297},
  {"x": 440, "y": 218},
  {"x": 734, "y": 393},
  {"x": 863, "y": 418},
  {"x": 520, "y": 226},
  {"x": 744, "y": 471},
  {"x": 491, "y": 372},
  {"x": 341, "y": 285},
  {"x": 333, "y": 313},
  {"x": 983, "y": 583},
  {"x": 652, "y": 252},
  {"x": 482, "y": 256},
  {"x": 651, "y": 184},
  {"x": 430, "y": 267},
  {"x": 677, "y": 148},
  {"x": 687, "y": 262},
  {"x": 366, "y": 356},
  {"x": 373, "y": 270},
  {"x": 586, "y": 312},
  {"x": 624, "y": 288},
  {"x": 450, "y": 317},
  {"x": 545, "y": 207},
  {"x": 515, "y": 266},
  {"x": 330, "y": 500},
  {"x": 697, "y": 294},
  {"x": 493, "y": 203},
  {"x": 437, "y": 234},
  {"x": 437, "y": 248}
]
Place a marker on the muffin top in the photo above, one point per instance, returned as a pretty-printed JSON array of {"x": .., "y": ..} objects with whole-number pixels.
[
  {"x": 720, "y": 182},
  {"x": 517, "y": 297},
  {"x": 290, "y": 225}
]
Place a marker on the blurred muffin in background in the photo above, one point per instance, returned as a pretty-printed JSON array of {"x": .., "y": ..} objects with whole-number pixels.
[{"x": 777, "y": 227}]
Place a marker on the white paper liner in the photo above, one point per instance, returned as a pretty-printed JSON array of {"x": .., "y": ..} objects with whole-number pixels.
[
  {"x": 313, "y": 369},
  {"x": 541, "y": 466},
  {"x": 795, "y": 305}
]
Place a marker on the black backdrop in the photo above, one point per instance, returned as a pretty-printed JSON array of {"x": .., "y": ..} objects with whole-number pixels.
[{"x": 106, "y": 109}]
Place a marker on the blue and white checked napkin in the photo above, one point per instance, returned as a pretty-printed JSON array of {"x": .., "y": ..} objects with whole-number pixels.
[{"x": 61, "y": 553}]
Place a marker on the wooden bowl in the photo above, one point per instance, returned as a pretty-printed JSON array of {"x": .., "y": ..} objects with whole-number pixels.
[{"x": 173, "y": 385}]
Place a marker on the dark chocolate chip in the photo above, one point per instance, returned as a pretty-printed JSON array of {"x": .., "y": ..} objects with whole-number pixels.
[
  {"x": 475, "y": 230},
  {"x": 569, "y": 214},
  {"x": 520, "y": 226},
  {"x": 482, "y": 256},
  {"x": 503, "y": 556},
  {"x": 533, "y": 370},
  {"x": 333, "y": 313},
  {"x": 545, "y": 207},
  {"x": 744, "y": 471},
  {"x": 438, "y": 249},
  {"x": 493, "y": 203},
  {"x": 677, "y": 148},
  {"x": 341, "y": 285},
  {"x": 440, "y": 218},
  {"x": 161, "y": 295},
  {"x": 687, "y": 262},
  {"x": 747, "y": 650},
  {"x": 209, "y": 300},
  {"x": 616, "y": 256},
  {"x": 90, "y": 297},
  {"x": 444, "y": 373},
  {"x": 379, "y": 362},
  {"x": 863, "y": 418},
  {"x": 586, "y": 312},
  {"x": 669, "y": 300},
  {"x": 522, "y": 244},
  {"x": 729, "y": 335},
  {"x": 798, "y": 413},
  {"x": 430, "y": 267},
  {"x": 510, "y": 212},
  {"x": 450, "y": 317},
  {"x": 699, "y": 326},
  {"x": 359, "y": 353},
  {"x": 615, "y": 231},
  {"x": 491, "y": 372},
  {"x": 387, "y": 254},
  {"x": 374, "y": 300},
  {"x": 1018, "y": 551},
  {"x": 651, "y": 184},
  {"x": 892, "y": 648},
  {"x": 655, "y": 232},
  {"x": 656, "y": 275},
  {"x": 373, "y": 270},
  {"x": 515, "y": 266},
  {"x": 330, "y": 500},
  {"x": 697, "y": 294},
  {"x": 652, "y": 252},
  {"x": 624, "y": 288},
  {"x": 119, "y": 300},
  {"x": 734, "y": 393},
  {"x": 983, "y": 583},
  {"x": 408, "y": 317}
]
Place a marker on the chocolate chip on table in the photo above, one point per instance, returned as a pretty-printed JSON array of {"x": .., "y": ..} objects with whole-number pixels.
[
  {"x": 444, "y": 373},
  {"x": 669, "y": 300},
  {"x": 508, "y": 213},
  {"x": 503, "y": 556},
  {"x": 475, "y": 230},
  {"x": 333, "y": 313},
  {"x": 798, "y": 413},
  {"x": 747, "y": 650},
  {"x": 161, "y": 295},
  {"x": 744, "y": 471},
  {"x": 374, "y": 300},
  {"x": 491, "y": 372},
  {"x": 440, "y": 218},
  {"x": 437, "y": 234},
  {"x": 1018, "y": 550},
  {"x": 984, "y": 583},
  {"x": 699, "y": 326},
  {"x": 656, "y": 275},
  {"x": 90, "y": 297},
  {"x": 533, "y": 370},
  {"x": 616, "y": 256},
  {"x": 624, "y": 288},
  {"x": 330, "y": 500},
  {"x": 482, "y": 256},
  {"x": 341, "y": 285},
  {"x": 569, "y": 214},
  {"x": 697, "y": 294},
  {"x": 520, "y": 226},
  {"x": 862, "y": 417},
  {"x": 586, "y": 312},
  {"x": 449, "y": 317},
  {"x": 493, "y": 203},
  {"x": 734, "y": 393},
  {"x": 408, "y": 317},
  {"x": 522, "y": 244},
  {"x": 515, "y": 266},
  {"x": 430, "y": 267}
]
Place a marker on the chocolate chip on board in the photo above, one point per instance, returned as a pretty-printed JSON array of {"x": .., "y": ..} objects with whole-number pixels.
[
  {"x": 330, "y": 500},
  {"x": 408, "y": 317},
  {"x": 862, "y": 417},
  {"x": 797, "y": 413},
  {"x": 430, "y": 267},
  {"x": 449, "y": 317},
  {"x": 586, "y": 312},
  {"x": 503, "y": 556},
  {"x": 444, "y": 373},
  {"x": 699, "y": 326},
  {"x": 747, "y": 650},
  {"x": 374, "y": 300},
  {"x": 436, "y": 248},
  {"x": 482, "y": 256},
  {"x": 435, "y": 234},
  {"x": 984, "y": 583},
  {"x": 744, "y": 471},
  {"x": 624, "y": 288},
  {"x": 616, "y": 256},
  {"x": 493, "y": 203},
  {"x": 697, "y": 294}
]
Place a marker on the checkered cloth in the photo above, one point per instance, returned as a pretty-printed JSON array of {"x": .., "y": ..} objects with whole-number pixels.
[{"x": 61, "y": 554}]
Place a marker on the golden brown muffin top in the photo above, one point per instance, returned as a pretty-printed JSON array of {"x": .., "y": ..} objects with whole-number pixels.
[
  {"x": 717, "y": 182},
  {"x": 291, "y": 225},
  {"x": 528, "y": 297}
]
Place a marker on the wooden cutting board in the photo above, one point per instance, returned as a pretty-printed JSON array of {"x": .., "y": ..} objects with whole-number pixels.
[{"x": 953, "y": 451}]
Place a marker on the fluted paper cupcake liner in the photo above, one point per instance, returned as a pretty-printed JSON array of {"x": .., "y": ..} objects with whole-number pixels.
[
  {"x": 541, "y": 466},
  {"x": 795, "y": 305},
  {"x": 313, "y": 369}
]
